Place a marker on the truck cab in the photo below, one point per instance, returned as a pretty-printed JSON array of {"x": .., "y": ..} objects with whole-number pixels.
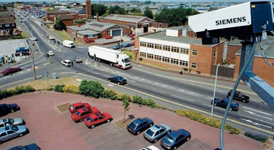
[{"x": 124, "y": 61}]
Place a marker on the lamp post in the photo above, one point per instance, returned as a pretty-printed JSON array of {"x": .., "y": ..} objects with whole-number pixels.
[{"x": 214, "y": 89}]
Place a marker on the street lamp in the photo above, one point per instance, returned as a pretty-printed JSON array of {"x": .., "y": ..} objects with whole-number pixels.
[{"x": 214, "y": 89}]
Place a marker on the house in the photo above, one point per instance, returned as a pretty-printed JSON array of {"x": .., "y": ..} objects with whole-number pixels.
[
  {"x": 173, "y": 49},
  {"x": 138, "y": 24},
  {"x": 7, "y": 23},
  {"x": 17, "y": 4},
  {"x": 67, "y": 19}
]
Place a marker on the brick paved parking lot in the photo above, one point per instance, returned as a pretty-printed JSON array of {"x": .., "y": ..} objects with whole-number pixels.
[{"x": 53, "y": 130}]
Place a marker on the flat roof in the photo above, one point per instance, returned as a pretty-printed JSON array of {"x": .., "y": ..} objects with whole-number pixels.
[
  {"x": 125, "y": 18},
  {"x": 76, "y": 28},
  {"x": 88, "y": 32},
  {"x": 98, "y": 26}
]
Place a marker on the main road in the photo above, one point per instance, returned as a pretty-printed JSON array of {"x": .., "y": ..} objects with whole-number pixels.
[{"x": 191, "y": 93}]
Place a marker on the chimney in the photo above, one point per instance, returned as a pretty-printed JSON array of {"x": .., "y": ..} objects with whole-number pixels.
[{"x": 97, "y": 17}]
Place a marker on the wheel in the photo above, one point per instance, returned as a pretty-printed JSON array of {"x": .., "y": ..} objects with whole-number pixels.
[
  {"x": 215, "y": 104},
  {"x": 92, "y": 126},
  {"x": 230, "y": 109},
  {"x": 187, "y": 138},
  {"x": 138, "y": 132},
  {"x": 21, "y": 134},
  {"x": 150, "y": 125},
  {"x": 155, "y": 140},
  {"x": 108, "y": 80},
  {"x": 175, "y": 148},
  {"x": 244, "y": 101},
  {"x": 12, "y": 110},
  {"x": 81, "y": 120},
  {"x": 168, "y": 132},
  {"x": 108, "y": 120},
  {"x": 119, "y": 83}
]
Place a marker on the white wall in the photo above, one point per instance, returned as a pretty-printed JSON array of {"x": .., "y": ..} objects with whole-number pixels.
[{"x": 171, "y": 32}]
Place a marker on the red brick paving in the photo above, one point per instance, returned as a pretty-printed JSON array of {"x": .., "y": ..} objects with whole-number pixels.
[{"x": 53, "y": 130}]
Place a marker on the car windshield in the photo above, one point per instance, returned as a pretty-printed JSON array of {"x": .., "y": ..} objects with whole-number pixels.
[
  {"x": 11, "y": 121},
  {"x": 14, "y": 128},
  {"x": 7, "y": 69},
  {"x": 127, "y": 60},
  {"x": 89, "y": 119},
  {"x": 133, "y": 125},
  {"x": 149, "y": 132},
  {"x": 77, "y": 113},
  {"x": 170, "y": 139}
]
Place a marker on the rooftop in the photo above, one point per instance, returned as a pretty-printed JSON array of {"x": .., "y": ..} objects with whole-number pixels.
[
  {"x": 126, "y": 18},
  {"x": 88, "y": 32},
  {"x": 98, "y": 26},
  {"x": 76, "y": 28}
]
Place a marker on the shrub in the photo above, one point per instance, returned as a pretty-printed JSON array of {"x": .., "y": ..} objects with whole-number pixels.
[
  {"x": 137, "y": 99},
  {"x": 91, "y": 88},
  {"x": 59, "y": 88},
  {"x": 125, "y": 97},
  {"x": 151, "y": 103},
  {"x": 16, "y": 91},
  {"x": 257, "y": 137},
  {"x": 71, "y": 89}
]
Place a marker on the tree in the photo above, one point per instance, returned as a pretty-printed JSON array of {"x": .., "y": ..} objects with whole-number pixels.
[
  {"x": 148, "y": 13},
  {"x": 126, "y": 104},
  {"x": 111, "y": 10},
  {"x": 91, "y": 88},
  {"x": 98, "y": 8},
  {"x": 59, "y": 25},
  {"x": 147, "y": 2},
  {"x": 135, "y": 10},
  {"x": 116, "y": 10}
]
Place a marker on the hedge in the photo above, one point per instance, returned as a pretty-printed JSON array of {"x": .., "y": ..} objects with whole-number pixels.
[
  {"x": 71, "y": 89},
  {"x": 59, "y": 88},
  {"x": 257, "y": 137},
  {"x": 147, "y": 102},
  {"x": 18, "y": 90},
  {"x": 206, "y": 120},
  {"x": 91, "y": 88}
]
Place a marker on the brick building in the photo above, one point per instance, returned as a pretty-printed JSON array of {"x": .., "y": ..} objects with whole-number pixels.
[
  {"x": 173, "y": 50},
  {"x": 52, "y": 15},
  {"x": 7, "y": 23},
  {"x": 232, "y": 48},
  {"x": 88, "y": 9},
  {"x": 67, "y": 19}
]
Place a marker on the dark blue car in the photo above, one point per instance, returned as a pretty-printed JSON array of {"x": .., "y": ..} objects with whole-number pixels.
[
  {"x": 223, "y": 103},
  {"x": 127, "y": 45},
  {"x": 8, "y": 108},
  {"x": 175, "y": 139},
  {"x": 139, "y": 125},
  {"x": 118, "y": 79},
  {"x": 32, "y": 146}
]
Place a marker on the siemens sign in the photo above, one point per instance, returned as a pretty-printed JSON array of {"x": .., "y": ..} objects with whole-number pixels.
[{"x": 230, "y": 21}]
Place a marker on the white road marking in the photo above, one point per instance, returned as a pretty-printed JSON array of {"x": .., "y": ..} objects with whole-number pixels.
[
  {"x": 110, "y": 85},
  {"x": 255, "y": 123},
  {"x": 182, "y": 98},
  {"x": 214, "y": 107},
  {"x": 28, "y": 69},
  {"x": 257, "y": 111},
  {"x": 252, "y": 113},
  {"x": 266, "y": 122},
  {"x": 132, "y": 81}
]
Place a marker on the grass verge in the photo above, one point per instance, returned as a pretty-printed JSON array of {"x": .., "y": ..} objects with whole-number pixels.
[
  {"x": 63, "y": 34},
  {"x": 24, "y": 35}
]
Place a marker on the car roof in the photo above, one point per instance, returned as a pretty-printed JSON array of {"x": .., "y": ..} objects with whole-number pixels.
[
  {"x": 96, "y": 115},
  {"x": 77, "y": 104},
  {"x": 67, "y": 60},
  {"x": 81, "y": 110},
  {"x": 177, "y": 133},
  {"x": 155, "y": 128},
  {"x": 138, "y": 121},
  {"x": 225, "y": 99}
]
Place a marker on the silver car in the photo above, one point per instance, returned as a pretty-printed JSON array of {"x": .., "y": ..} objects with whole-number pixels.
[
  {"x": 156, "y": 132},
  {"x": 9, "y": 122},
  {"x": 11, "y": 132}
]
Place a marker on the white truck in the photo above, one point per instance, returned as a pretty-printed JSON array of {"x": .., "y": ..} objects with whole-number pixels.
[
  {"x": 68, "y": 43},
  {"x": 113, "y": 57}
]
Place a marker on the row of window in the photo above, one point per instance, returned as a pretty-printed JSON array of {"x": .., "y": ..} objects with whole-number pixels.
[{"x": 169, "y": 48}]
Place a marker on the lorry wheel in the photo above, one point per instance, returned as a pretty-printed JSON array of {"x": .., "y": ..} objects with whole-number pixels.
[
  {"x": 119, "y": 83},
  {"x": 244, "y": 101},
  {"x": 230, "y": 109}
]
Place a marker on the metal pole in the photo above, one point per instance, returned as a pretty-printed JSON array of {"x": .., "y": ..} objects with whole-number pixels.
[{"x": 214, "y": 90}]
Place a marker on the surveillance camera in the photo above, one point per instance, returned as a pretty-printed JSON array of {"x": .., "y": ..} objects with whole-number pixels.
[{"x": 241, "y": 21}]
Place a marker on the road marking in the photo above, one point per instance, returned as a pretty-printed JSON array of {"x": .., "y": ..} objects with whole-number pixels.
[
  {"x": 266, "y": 122},
  {"x": 255, "y": 123},
  {"x": 110, "y": 85},
  {"x": 132, "y": 81},
  {"x": 181, "y": 98},
  {"x": 258, "y": 111},
  {"x": 252, "y": 113}
]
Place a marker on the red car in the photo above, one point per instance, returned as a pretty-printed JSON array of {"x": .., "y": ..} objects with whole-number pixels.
[
  {"x": 132, "y": 35},
  {"x": 82, "y": 113},
  {"x": 108, "y": 37},
  {"x": 25, "y": 53},
  {"x": 74, "y": 107},
  {"x": 89, "y": 40},
  {"x": 11, "y": 70},
  {"x": 94, "y": 119},
  {"x": 132, "y": 43}
]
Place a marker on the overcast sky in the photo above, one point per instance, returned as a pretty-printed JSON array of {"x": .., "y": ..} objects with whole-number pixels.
[{"x": 129, "y": 0}]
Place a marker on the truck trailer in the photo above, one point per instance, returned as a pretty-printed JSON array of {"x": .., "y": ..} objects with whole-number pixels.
[{"x": 113, "y": 57}]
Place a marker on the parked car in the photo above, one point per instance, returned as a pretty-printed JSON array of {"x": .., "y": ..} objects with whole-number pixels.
[
  {"x": 132, "y": 43},
  {"x": 118, "y": 79},
  {"x": 175, "y": 139},
  {"x": 131, "y": 35},
  {"x": 78, "y": 60},
  {"x": 8, "y": 108},
  {"x": 74, "y": 107},
  {"x": 82, "y": 113},
  {"x": 34, "y": 38},
  {"x": 156, "y": 132},
  {"x": 223, "y": 103},
  {"x": 11, "y": 132},
  {"x": 67, "y": 63},
  {"x": 32, "y": 146},
  {"x": 108, "y": 37},
  {"x": 95, "y": 119},
  {"x": 17, "y": 54},
  {"x": 9, "y": 122},
  {"x": 26, "y": 53},
  {"x": 51, "y": 53},
  {"x": 239, "y": 96},
  {"x": 139, "y": 125},
  {"x": 127, "y": 45},
  {"x": 89, "y": 40},
  {"x": 11, "y": 70},
  {"x": 151, "y": 147},
  {"x": 118, "y": 46},
  {"x": 51, "y": 37}
]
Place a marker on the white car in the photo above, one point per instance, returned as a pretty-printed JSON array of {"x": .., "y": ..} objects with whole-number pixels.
[
  {"x": 11, "y": 122},
  {"x": 67, "y": 62},
  {"x": 51, "y": 53},
  {"x": 152, "y": 147},
  {"x": 51, "y": 37},
  {"x": 33, "y": 38}
]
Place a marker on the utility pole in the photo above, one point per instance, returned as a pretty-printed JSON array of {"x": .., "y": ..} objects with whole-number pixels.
[{"x": 33, "y": 66}]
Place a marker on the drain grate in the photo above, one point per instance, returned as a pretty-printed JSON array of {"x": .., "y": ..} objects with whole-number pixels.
[{"x": 63, "y": 107}]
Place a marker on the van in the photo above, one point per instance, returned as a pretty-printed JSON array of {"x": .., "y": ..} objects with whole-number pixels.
[{"x": 68, "y": 43}]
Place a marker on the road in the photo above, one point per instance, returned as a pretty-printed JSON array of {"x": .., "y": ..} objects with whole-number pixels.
[{"x": 170, "y": 90}]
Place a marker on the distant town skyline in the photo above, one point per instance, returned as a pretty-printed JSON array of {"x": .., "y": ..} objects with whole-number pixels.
[{"x": 131, "y": 0}]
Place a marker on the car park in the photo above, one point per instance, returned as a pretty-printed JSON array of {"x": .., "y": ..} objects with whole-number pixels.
[
  {"x": 8, "y": 108},
  {"x": 127, "y": 45},
  {"x": 139, "y": 125},
  {"x": 33, "y": 39},
  {"x": 11, "y": 132},
  {"x": 10, "y": 122},
  {"x": 82, "y": 113},
  {"x": 11, "y": 70},
  {"x": 67, "y": 63},
  {"x": 51, "y": 53},
  {"x": 74, "y": 107},
  {"x": 175, "y": 139},
  {"x": 154, "y": 133},
  {"x": 118, "y": 79},
  {"x": 239, "y": 96},
  {"x": 32, "y": 146},
  {"x": 224, "y": 102},
  {"x": 78, "y": 60},
  {"x": 151, "y": 147},
  {"x": 95, "y": 119}
]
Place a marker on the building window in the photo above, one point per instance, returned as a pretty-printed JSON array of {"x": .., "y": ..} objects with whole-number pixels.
[
  {"x": 174, "y": 61},
  {"x": 13, "y": 25},
  {"x": 150, "y": 45},
  {"x": 184, "y": 63},
  {"x": 166, "y": 48},
  {"x": 90, "y": 36},
  {"x": 165, "y": 59},
  {"x": 157, "y": 57},
  {"x": 215, "y": 54},
  {"x": 158, "y": 46},
  {"x": 194, "y": 52},
  {"x": 143, "y": 44},
  {"x": 139, "y": 26},
  {"x": 7, "y": 25},
  {"x": 108, "y": 32},
  {"x": 142, "y": 54},
  {"x": 175, "y": 49},
  {"x": 193, "y": 65},
  {"x": 150, "y": 56},
  {"x": 184, "y": 51}
]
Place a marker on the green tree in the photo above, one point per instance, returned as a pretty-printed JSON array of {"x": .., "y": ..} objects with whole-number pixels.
[
  {"x": 111, "y": 10},
  {"x": 98, "y": 8},
  {"x": 135, "y": 10},
  {"x": 59, "y": 25},
  {"x": 148, "y": 13},
  {"x": 91, "y": 88},
  {"x": 116, "y": 10},
  {"x": 147, "y": 2},
  {"x": 126, "y": 104},
  {"x": 120, "y": 11}
]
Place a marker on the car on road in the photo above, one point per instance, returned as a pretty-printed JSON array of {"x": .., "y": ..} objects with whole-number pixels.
[
  {"x": 10, "y": 122},
  {"x": 82, "y": 113},
  {"x": 74, "y": 107},
  {"x": 51, "y": 37},
  {"x": 51, "y": 53},
  {"x": 239, "y": 96},
  {"x": 224, "y": 102},
  {"x": 11, "y": 132},
  {"x": 118, "y": 79},
  {"x": 108, "y": 37},
  {"x": 127, "y": 45},
  {"x": 34, "y": 38},
  {"x": 67, "y": 62},
  {"x": 140, "y": 124},
  {"x": 25, "y": 53},
  {"x": 8, "y": 108},
  {"x": 89, "y": 40},
  {"x": 118, "y": 46},
  {"x": 132, "y": 43},
  {"x": 11, "y": 70},
  {"x": 151, "y": 147},
  {"x": 78, "y": 60},
  {"x": 95, "y": 119},
  {"x": 154, "y": 133},
  {"x": 175, "y": 139},
  {"x": 131, "y": 35},
  {"x": 32, "y": 146}
]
